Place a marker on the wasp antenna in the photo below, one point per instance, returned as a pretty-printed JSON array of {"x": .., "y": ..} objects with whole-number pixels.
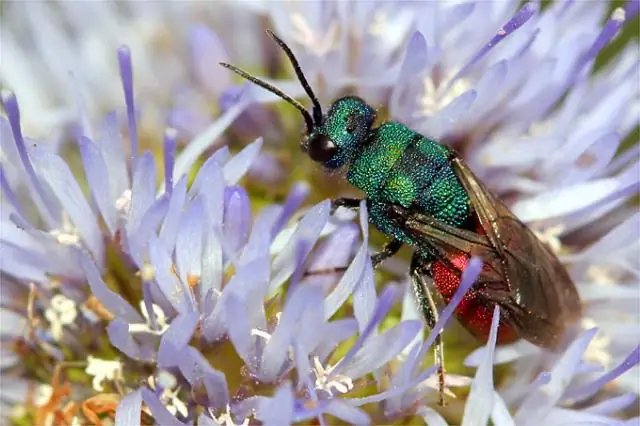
[
  {"x": 308, "y": 119},
  {"x": 317, "y": 108}
]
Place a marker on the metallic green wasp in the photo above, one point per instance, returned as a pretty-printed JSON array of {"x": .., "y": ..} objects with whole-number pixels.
[{"x": 422, "y": 194}]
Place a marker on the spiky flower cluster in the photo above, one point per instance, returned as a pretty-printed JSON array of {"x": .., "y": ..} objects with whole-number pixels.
[{"x": 152, "y": 274}]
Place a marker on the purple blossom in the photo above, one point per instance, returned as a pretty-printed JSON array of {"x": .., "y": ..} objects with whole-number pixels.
[{"x": 198, "y": 282}]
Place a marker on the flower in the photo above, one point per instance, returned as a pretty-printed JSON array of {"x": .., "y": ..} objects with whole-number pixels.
[{"x": 153, "y": 273}]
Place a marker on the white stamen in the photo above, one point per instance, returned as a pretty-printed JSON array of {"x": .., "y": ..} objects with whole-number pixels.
[
  {"x": 328, "y": 382},
  {"x": 123, "y": 203},
  {"x": 148, "y": 272},
  {"x": 257, "y": 332},
  {"x": 225, "y": 418},
  {"x": 161, "y": 321},
  {"x": 42, "y": 395},
  {"x": 62, "y": 311},
  {"x": 619, "y": 14},
  {"x": 67, "y": 235},
  {"x": 169, "y": 395},
  {"x": 102, "y": 370}
]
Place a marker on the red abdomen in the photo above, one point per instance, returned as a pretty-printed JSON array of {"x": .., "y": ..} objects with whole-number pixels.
[{"x": 474, "y": 315}]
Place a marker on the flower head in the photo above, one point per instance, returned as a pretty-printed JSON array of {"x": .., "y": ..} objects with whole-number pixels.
[{"x": 159, "y": 269}]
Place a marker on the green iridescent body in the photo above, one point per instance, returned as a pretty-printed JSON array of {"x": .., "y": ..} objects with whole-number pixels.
[{"x": 393, "y": 164}]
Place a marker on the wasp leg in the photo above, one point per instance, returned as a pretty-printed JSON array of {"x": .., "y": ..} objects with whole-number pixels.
[
  {"x": 350, "y": 203},
  {"x": 387, "y": 251},
  {"x": 429, "y": 312}
]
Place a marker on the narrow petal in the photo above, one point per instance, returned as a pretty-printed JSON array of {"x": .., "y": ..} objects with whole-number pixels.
[
  {"x": 239, "y": 329},
  {"x": 378, "y": 350},
  {"x": 238, "y": 166},
  {"x": 111, "y": 300},
  {"x": 169, "y": 230},
  {"x": 302, "y": 300},
  {"x": 480, "y": 401},
  {"x": 176, "y": 338},
  {"x": 97, "y": 175},
  {"x": 198, "y": 372},
  {"x": 129, "y": 409},
  {"x": 143, "y": 189},
  {"x": 56, "y": 173},
  {"x": 347, "y": 283},
  {"x": 237, "y": 218},
  {"x": 538, "y": 402},
  {"x": 169, "y": 151},
  {"x": 126, "y": 77},
  {"x": 308, "y": 231},
  {"x": 161, "y": 415},
  {"x": 207, "y": 51},
  {"x": 205, "y": 140},
  {"x": 278, "y": 410},
  {"x": 188, "y": 253},
  {"x": 176, "y": 292}
]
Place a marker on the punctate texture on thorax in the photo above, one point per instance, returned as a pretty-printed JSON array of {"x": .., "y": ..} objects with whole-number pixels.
[{"x": 401, "y": 166}]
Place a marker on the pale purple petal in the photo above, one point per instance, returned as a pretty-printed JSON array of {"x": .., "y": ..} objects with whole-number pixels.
[
  {"x": 500, "y": 415},
  {"x": 188, "y": 253},
  {"x": 169, "y": 230},
  {"x": 480, "y": 400},
  {"x": 97, "y": 175},
  {"x": 347, "y": 283},
  {"x": 431, "y": 417},
  {"x": 238, "y": 166},
  {"x": 546, "y": 396},
  {"x": 378, "y": 350},
  {"x": 445, "y": 119},
  {"x": 161, "y": 415},
  {"x": 333, "y": 334},
  {"x": 44, "y": 203},
  {"x": 239, "y": 329},
  {"x": 176, "y": 292},
  {"x": 150, "y": 222},
  {"x": 343, "y": 411},
  {"x": 129, "y": 409},
  {"x": 204, "y": 420},
  {"x": 612, "y": 406},
  {"x": 207, "y": 51},
  {"x": 294, "y": 200},
  {"x": 176, "y": 338},
  {"x": 198, "y": 372},
  {"x": 55, "y": 172},
  {"x": 364, "y": 298},
  {"x": 111, "y": 146},
  {"x": 277, "y": 411},
  {"x": 307, "y": 232},
  {"x": 110, "y": 299},
  {"x": 237, "y": 217},
  {"x": 590, "y": 389},
  {"x": 143, "y": 189},
  {"x": 303, "y": 299},
  {"x": 126, "y": 77},
  {"x": 118, "y": 332},
  {"x": 169, "y": 151},
  {"x": 205, "y": 140},
  {"x": 416, "y": 57}
]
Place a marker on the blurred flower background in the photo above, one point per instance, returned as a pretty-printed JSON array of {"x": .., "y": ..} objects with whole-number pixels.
[{"x": 158, "y": 217}]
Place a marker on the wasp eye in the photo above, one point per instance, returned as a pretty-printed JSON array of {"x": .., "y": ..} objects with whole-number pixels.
[{"x": 321, "y": 148}]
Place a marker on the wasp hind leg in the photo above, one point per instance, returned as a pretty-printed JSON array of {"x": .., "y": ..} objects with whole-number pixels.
[{"x": 429, "y": 312}]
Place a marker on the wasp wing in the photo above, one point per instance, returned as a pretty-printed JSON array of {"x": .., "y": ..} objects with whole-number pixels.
[
  {"x": 539, "y": 283},
  {"x": 521, "y": 274}
]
